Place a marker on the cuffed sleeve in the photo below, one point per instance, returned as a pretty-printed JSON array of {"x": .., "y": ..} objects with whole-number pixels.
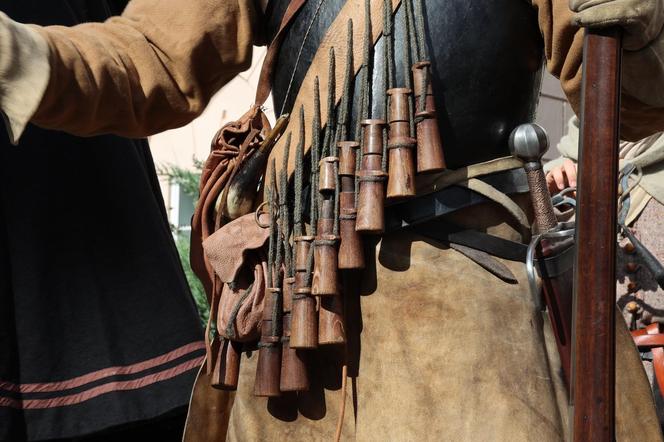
[
  {"x": 151, "y": 69},
  {"x": 24, "y": 74}
]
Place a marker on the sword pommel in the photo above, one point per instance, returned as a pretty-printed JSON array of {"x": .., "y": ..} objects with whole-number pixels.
[{"x": 529, "y": 143}]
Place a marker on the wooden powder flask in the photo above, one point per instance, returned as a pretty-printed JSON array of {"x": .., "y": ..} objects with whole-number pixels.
[
  {"x": 227, "y": 366},
  {"x": 351, "y": 251},
  {"x": 430, "y": 155},
  {"x": 331, "y": 329},
  {"x": 371, "y": 177},
  {"x": 304, "y": 317},
  {"x": 327, "y": 178},
  {"x": 326, "y": 256},
  {"x": 327, "y": 243},
  {"x": 294, "y": 376},
  {"x": 401, "y": 177},
  {"x": 268, "y": 368},
  {"x": 326, "y": 275}
]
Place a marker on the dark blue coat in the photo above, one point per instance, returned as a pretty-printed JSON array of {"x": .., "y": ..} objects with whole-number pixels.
[{"x": 97, "y": 324}]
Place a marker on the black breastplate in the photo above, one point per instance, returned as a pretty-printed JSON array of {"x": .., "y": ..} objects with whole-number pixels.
[
  {"x": 62, "y": 12},
  {"x": 486, "y": 61}
]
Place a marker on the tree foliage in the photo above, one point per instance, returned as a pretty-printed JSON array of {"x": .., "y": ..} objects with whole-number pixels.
[{"x": 188, "y": 181}]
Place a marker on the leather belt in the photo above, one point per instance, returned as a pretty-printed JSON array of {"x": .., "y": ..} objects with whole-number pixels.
[
  {"x": 422, "y": 215},
  {"x": 450, "y": 199}
]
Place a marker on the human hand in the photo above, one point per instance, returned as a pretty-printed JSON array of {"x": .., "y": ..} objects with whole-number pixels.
[{"x": 561, "y": 177}]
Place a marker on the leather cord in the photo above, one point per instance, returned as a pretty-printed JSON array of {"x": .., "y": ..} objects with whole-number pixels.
[{"x": 265, "y": 78}]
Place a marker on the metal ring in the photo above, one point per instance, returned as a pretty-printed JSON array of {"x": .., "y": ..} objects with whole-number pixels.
[
  {"x": 258, "y": 213},
  {"x": 562, "y": 230}
]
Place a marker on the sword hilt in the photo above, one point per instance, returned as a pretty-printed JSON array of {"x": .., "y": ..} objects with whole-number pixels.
[{"x": 529, "y": 142}]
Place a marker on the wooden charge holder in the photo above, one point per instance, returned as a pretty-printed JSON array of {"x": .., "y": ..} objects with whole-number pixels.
[
  {"x": 351, "y": 252},
  {"x": 304, "y": 318},
  {"x": 294, "y": 375},
  {"x": 401, "y": 177},
  {"x": 226, "y": 370},
  {"x": 430, "y": 157},
  {"x": 325, "y": 246},
  {"x": 268, "y": 367},
  {"x": 371, "y": 177},
  {"x": 326, "y": 275}
]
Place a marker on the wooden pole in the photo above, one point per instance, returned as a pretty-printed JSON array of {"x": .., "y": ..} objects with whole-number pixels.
[{"x": 593, "y": 388}]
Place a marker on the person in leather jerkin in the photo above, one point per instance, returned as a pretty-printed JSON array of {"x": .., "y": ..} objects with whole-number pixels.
[{"x": 449, "y": 352}]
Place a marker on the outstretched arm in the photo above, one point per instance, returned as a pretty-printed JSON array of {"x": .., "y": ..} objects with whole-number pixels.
[{"x": 153, "y": 68}]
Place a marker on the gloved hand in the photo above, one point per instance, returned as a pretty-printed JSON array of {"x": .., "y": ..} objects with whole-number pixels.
[
  {"x": 24, "y": 73},
  {"x": 642, "y": 20},
  {"x": 643, "y": 41}
]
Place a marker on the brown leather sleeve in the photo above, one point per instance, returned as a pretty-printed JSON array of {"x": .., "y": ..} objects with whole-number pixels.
[
  {"x": 151, "y": 69},
  {"x": 563, "y": 48}
]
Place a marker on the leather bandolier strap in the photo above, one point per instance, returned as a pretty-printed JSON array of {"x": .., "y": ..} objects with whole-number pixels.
[
  {"x": 334, "y": 39},
  {"x": 231, "y": 147},
  {"x": 226, "y": 157}
]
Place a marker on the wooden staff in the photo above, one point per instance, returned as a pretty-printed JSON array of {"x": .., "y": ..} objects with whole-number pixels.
[
  {"x": 593, "y": 391},
  {"x": 401, "y": 173},
  {"x": 371, "y": 177},
  {"x": 351, "y": 252}
]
